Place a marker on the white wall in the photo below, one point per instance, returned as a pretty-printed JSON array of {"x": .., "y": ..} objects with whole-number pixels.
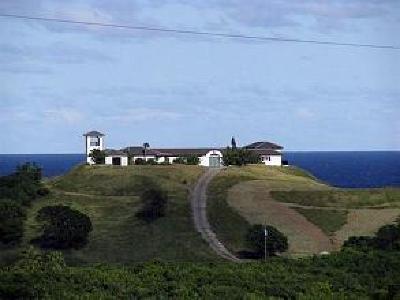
[
  {"x": 90, "y": 148},
  {"x": 205, "y": 159},
  {"x": 272, "y": 160},
  {"x": 124, "y": 160}
]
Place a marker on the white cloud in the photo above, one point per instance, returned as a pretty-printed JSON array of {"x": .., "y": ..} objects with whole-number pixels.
[
  {"x": 68, "y": 115},
  {"x": 143, "y": 114}
]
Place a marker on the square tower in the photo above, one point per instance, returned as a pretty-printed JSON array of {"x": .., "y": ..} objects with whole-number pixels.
[{"x": 94, "y": 140}]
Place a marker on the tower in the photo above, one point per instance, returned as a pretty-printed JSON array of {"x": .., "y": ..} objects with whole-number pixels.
[{"x": 94, "y": 140}]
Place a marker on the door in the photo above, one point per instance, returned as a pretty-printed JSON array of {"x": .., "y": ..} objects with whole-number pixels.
[
  {"x": 214, "y": 161},
  {"x": 116, "y": 161}
]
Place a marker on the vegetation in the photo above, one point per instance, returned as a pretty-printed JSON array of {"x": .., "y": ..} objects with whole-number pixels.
[
  {"x": 387, "y": 238},
  {"x": 63, "y": 228},
  {"x": 353, "y": 198},
  {"x": 23, "y": 186},
  {"x": 111, "y": 197},
  {"x": 230, "y": 227},
  {"x": 17, "y": 191},
  {"x": 329, "y": 221},
  {"x": 349, "y": 274},
  {"x": 98, "y": 156},
  {"x": 154, "y": 205},
  {"x": 12, "y": 216},
  {"x": 241, "y": 196},
  {"x": 266, "y": 239},
  {"x": 239, "y": 157}
]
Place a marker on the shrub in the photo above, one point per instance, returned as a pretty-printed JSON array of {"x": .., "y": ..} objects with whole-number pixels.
[
  {"x": 22, "y": 185},
  {"x": 276, "y": 241},
  {"x": 239, "y": 157},
  {"x": 63, "y": 228},
  {"x": 154, "y": 205},
  {"x": 43, "y": 191},
  {"x": 139, "y": 161},
  {"x": 151, "y": 161},
  {"x": 12, "y": 217},
  {"x": 179, "y": 160},
  {"x": 386, "y": 238},
  {"x": 192, "y": 160},
  {"x": 98, "y": 156}
]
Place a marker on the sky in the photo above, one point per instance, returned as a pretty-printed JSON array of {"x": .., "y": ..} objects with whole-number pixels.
[{"x": 58, "y": 81}]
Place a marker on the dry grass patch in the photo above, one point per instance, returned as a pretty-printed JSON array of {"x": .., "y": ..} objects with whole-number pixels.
[
  {"x": 252, "y": 201},
  {"x": 365, "y": 222}
]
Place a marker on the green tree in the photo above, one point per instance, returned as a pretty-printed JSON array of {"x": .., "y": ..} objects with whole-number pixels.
[
  {"x": 145, "y": 146},
  {"x": 63, "y": 228},
  {"x": 98, "y": 156},
  {"x": 12, "y": 218},
  {"x": 192, "y": 160},
  {"x": 154, "y": 205},
  {"x": 239, "y": 157},
  {"x": 276, "y": 241}
]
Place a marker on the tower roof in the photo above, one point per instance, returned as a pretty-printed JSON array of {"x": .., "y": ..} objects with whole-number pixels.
[{"x": 93, "y": 133}]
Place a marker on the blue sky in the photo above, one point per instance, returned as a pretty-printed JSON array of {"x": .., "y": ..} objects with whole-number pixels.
[{"x": 59, "y": 80}]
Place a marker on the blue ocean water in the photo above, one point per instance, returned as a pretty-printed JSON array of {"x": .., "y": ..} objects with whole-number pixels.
[{"x": 342, "y": 169}]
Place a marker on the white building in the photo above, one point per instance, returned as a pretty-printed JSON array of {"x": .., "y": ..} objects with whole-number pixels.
[{"x": 269, "y": 153}]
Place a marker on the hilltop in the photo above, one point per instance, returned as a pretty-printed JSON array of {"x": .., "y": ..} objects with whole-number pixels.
[{"x": 313, "y": 215}]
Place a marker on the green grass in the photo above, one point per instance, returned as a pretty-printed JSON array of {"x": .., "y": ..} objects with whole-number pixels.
[
  {"x": 329, "y": 221},
  {"x": 226, "y": 222},
  {"x": 110, "y": 196},
  {"x": 355, "y": 198}
]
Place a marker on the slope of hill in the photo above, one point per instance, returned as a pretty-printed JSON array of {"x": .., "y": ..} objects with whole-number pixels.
[
  {"x": 109, "y": 195},
  {"x": 314, "y": 216}
]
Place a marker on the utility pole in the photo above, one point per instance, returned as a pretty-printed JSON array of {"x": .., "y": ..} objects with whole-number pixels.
[{"x": 265, "y": 241}]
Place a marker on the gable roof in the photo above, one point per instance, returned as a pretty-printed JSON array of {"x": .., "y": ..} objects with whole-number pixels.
[
  {"x": 263, "y": 145},
  {"x": 93, "y": 133},
  {"x": 113, "y": 152},
  {"x": 137, "y": 150}
]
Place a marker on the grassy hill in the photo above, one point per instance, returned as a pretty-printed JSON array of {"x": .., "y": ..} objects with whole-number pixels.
[
  {"x": 315, "y": 216},
  {"x": 109, "y": 195}
]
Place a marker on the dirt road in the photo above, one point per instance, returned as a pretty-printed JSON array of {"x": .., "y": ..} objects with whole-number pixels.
[{"x": 199, "y": 202}]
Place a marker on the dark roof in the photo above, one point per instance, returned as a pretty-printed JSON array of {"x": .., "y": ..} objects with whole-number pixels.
[
  {"x": 137, "y": 150},
  {"x": 114, "y": 152},
  {"x": 265, "y": 151},
  {"x": 263, "y": 145},
  {"x": 93, "y": 133}
]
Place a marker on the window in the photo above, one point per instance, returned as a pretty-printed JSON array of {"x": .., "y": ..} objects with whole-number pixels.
[{"x": 94, "y": 141}]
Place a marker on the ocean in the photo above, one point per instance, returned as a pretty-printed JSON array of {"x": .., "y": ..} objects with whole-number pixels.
[{"x": 348, "y": 169}]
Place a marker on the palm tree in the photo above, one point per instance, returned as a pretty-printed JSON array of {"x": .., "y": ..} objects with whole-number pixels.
[{"x": 145, "y": 146}]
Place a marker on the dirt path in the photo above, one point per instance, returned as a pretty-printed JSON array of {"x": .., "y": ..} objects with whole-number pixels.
[
  {"x": 253, "y": 201},
  {"x": 199, "y": 202}
]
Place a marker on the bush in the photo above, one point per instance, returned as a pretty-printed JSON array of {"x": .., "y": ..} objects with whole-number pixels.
[
  {"x": 276, "y": 241},
  {"x": 22, "y": 185},
  {"x": 386, "y": 238},
  {"x": 151, "y": 161},
  {"x": 140, "y": 161},
  {"x": 98, "y": 156},
  {"x": 63, "y": 228},
  {"x": 154, "y": 205},
  {"x": 179, "y": 160},
  {"x": 239, "y": 157},
  {"x": 12, "y": 218},
  {"x": 43, "y": 191},
  {"x": 192, "y": 160}
]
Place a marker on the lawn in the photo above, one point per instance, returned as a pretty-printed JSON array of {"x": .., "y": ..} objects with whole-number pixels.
[
  {"x": 348, "y": 198},
  {"x": 110, "y": 197},
  {"x": 329, "y": 221},
  {"x": 310, "y": 213}
]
